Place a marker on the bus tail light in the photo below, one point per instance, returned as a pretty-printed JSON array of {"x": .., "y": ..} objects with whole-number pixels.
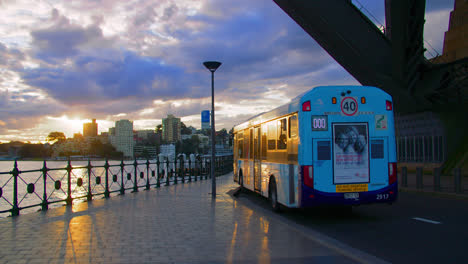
[
  {"x": 388, "y": 105},
  {"x": 392, "y": 173},
  {"x": 308, "y": 176},
  {"x": 306, "y": 106}
]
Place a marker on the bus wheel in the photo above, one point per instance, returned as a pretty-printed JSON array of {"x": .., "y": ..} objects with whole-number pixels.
[{"x": 273, "y": 196}]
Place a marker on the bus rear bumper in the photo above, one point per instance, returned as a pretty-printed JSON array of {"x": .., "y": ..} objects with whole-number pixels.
[{"x": 311, "y": 197}]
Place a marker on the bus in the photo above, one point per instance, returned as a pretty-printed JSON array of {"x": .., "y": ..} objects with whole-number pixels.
[{"x": 332, "y": 145}]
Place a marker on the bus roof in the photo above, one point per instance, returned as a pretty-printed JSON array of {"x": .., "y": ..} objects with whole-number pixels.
[{"x": 294, "y": 105}]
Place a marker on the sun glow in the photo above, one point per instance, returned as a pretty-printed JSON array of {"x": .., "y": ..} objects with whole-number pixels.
[{"x": 68, "y": 125}]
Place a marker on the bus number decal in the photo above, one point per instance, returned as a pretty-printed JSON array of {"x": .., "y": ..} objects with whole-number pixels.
[
  {"x": 319, "y": 123},
  {"x": 383, "y": 196},
  {"x": 349, "y": 106}
]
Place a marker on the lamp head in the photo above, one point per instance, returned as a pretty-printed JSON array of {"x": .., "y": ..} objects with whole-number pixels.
[{"x": 212, "y": 65}]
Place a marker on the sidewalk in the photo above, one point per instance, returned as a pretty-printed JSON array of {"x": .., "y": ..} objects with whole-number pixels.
[{"x": 175, "y": 224}]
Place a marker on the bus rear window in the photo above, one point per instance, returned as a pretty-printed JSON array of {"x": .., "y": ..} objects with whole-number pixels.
[
  {"x": 323, "y": 150},
  {"x": 377, "y": 149}
]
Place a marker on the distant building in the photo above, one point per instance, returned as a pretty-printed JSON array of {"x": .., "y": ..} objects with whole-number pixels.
[
  {"x": 145, "y": 151},
  {"x": 171, "y": 129},
  {"x": 168, "y": 150},
  {"x": 121, "y": 137},
  {"x": 205, "y": 119},
  {"x": 456, "y": 38},
  {"x": 90, "y": 129}
]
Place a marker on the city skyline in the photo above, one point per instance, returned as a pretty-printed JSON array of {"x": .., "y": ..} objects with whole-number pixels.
[{"x": 65, "y": 63}]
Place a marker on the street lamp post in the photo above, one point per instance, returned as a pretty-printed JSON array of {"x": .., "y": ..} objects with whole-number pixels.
[{"x": 212, "y": 66}]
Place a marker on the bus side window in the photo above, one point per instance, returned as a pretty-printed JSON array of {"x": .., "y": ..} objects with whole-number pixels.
[
  {"x": 264, "y": 142},
  {"x": 282, "y": 129},
  {"x": 246, "y": 144},
  {"x": 272, "y": 135},
  {"x": 292, "y": 126},
  {"x": 240, "y": 145}
]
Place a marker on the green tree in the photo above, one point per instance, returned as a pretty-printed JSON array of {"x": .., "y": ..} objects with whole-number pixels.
[{"x": 56, "y": 137}]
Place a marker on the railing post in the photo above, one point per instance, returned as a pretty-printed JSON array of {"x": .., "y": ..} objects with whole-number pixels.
[
  {"x": 175, "y": 169},
  {"x": 419, "y": 178},
  {"x": 147, "y": 174},
  {"x": 45, "y": 203},
  {"x": 190, "y": 169},
  {"x": 15, "y": 210},
  {"x": 158, "y": 163},
  {"x": 404, "y": 177},
  {"x": 69, "y": 170},
  {"x": 181, "y": 168},
  {"x": 106, "y": 191},
  {"x": 135, "y": 185},
  {"x": 89, "y": 196},
  {"x": 457, "y": 180},
  {"x": 195, "y": 173},
  {"x": 122, "y": 186},
  {"x": 167, "y": 171},
  {"x": 436, "y": 179}
]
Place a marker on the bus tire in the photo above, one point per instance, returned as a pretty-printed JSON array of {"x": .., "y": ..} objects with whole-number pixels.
[{"x": 273, "y": 195}]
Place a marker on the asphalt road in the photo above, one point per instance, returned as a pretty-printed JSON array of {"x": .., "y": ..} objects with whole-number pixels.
[{"x": 419, "y": 228}]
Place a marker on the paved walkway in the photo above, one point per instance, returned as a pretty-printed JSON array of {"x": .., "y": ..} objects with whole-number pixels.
[{"x": 175, "y": 224}]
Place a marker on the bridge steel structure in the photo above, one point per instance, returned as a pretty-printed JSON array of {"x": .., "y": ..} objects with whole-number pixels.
[{"x": 392, "y": 59}]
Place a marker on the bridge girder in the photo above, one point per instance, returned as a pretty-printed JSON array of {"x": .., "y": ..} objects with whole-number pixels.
[{"x": 393, "y": 61}]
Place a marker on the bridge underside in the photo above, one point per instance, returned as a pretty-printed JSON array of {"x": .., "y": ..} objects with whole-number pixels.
[{"x": 393, "y": 61}]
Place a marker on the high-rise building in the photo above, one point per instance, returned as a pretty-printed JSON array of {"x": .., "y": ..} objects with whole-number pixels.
[
  {"x": 171, "y": 128},
  {"x": 456, "y": 38},
  {"x": 121, "y": 137},
  {"x": 90, "y": 129}
]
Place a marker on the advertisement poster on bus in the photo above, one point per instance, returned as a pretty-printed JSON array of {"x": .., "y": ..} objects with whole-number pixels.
[{"x": 350, "y": 153}]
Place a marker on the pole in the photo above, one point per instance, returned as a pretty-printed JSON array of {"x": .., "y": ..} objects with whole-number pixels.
[{"x": 213, "y": 139}]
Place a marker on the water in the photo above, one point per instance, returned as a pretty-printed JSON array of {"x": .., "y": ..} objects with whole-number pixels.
[{"x": 57, "y": 181}]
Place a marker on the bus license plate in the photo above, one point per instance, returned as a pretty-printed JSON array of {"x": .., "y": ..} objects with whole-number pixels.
[{"x": 351, "y": 195}]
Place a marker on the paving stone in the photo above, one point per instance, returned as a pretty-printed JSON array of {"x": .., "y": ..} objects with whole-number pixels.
[{"x": 175, "y": 224}]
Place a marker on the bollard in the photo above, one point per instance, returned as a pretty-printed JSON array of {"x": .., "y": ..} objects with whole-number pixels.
[
  {"x": 45, "y": 204},
  {"x": 457, "y": 180},
  {"x": 404, "y": 176},
  {"x": 436, "y": 179},
  {"x": 419, "y": 179}
]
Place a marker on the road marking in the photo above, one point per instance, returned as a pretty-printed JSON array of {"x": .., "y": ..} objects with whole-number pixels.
[{"x": 426, "y": 220}]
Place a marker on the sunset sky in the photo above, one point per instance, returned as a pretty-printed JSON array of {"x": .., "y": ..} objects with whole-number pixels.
[{"x": 63, "y": 63}]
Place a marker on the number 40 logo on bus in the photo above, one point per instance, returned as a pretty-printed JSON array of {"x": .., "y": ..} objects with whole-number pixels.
[{"x": 349, "y": 106}]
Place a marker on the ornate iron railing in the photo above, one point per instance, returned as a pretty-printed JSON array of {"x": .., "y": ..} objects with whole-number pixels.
[{"x": 24, "y": 189}]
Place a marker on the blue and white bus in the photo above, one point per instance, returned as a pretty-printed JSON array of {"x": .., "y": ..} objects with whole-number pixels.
[{"x": 333, "y": 145}]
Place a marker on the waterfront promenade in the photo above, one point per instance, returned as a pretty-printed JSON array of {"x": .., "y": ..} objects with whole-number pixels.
[{"x": 174, "y": 224}]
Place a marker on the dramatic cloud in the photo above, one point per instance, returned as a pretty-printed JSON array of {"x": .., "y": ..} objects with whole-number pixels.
[{"x": 142, "y": 59}]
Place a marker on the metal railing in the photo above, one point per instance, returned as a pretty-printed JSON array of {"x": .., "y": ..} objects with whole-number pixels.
[
  {"x": 422, "y": 179},
  {"x": 421, "y": 149},
  {"x": 24, "y": 189}
]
